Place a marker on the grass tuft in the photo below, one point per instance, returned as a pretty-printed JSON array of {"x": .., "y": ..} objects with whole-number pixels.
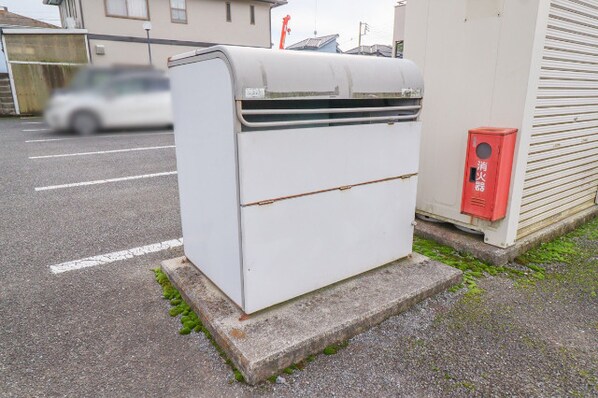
[{"x": 189, "y": 320}]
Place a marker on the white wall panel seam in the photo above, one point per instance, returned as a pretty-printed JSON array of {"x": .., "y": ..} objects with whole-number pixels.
[
  {"x": 560, "y": 191},
  {"x": 550, "y": 205},
  {"x": 553, "y": 216},
  {"x": 552, "y": 173},
  {"x": 560, "y": 160}
]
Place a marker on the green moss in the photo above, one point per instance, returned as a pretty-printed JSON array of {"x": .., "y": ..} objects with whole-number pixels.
[
  {"x": 472, "y": 267},
  {"x": 576, "y": 250},
  {"x": 189, "y": 320},
  {"x": 184, "y": 330},
  {"x": 564, "y": 249},
  {"x": 470, "y": 386},
  {"x": 238, "y": 376}
]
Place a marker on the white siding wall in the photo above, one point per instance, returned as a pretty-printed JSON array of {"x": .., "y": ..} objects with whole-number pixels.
[{"x": 562, "y": 171}]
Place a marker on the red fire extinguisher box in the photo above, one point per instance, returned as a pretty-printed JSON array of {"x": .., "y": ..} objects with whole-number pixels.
[{"x": 487, "y": 176}]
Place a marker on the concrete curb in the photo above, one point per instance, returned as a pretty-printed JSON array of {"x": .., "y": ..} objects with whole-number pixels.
[
  {"x": 448, "y": 235},
  {"x": 265, "y": 343}
]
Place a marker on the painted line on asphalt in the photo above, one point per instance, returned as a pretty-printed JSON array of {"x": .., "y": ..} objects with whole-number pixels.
[
  {"x": 30, "y": 117},
  {"x": 48, "y": 140},
  {"x": 40, "y": 122},
  {"x": 98, "y": 136},
  {"x": 35, "y": 130},
  {"x": 64, "y": 155},
  {"x": 108, "y": 258},
  {"x": 96, "y": 182}
]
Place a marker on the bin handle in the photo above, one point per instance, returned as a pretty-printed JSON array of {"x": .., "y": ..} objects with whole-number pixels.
[
  {"x": 327, "y": 110},
  {"x": 390, "y": 118}
]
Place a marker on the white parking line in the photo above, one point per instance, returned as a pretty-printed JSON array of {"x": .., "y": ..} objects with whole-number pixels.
[
  {"x": 99, "y": 136},
  {"x": 49, "y": 139},
  {"x": 34, "y": 130},
  {"x": 115, "y": 256},
  {"x": 41, "y": 122},
  {"x": 64, "y": 155},
  {"x": 85, "y": 183}
]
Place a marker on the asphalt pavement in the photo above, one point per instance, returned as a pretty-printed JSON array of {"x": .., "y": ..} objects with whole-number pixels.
[{"x": 102, "y": 330}]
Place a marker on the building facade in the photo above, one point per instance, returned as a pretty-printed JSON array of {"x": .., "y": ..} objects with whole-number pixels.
[{"x": 117, "y": 35}]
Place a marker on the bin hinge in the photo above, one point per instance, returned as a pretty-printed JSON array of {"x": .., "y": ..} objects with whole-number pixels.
[{"x": 265, "y": 202}]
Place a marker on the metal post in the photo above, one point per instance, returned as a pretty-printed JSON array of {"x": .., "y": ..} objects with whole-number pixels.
[
  {"x": 147, "y": 26},
  {"x": 359, "y": 41},
  {"x": 365, "y": 30},
  {"x": 149, "y": 47}
]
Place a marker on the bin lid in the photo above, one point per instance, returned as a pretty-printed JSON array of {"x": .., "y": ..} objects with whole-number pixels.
[{"x": 268, "y": 74}]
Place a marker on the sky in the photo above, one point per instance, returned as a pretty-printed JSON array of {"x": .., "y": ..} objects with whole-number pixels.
[
  {"x": 336, "y": 16},
  {"x": 324, "y": 16}
]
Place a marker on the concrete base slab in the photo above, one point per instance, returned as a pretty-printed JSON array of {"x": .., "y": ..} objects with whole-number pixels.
[
  {"x": 448, "y": 235},
  {"x": 264, "y": 343}
]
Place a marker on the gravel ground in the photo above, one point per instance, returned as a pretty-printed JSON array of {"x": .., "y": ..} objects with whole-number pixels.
[{"x": 515, "y": 339}]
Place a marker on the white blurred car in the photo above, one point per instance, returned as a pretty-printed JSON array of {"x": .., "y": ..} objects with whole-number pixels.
[{"x": 106, "y": 99}]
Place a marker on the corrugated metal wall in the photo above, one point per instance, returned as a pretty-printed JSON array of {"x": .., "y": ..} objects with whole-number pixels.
[{"x": 562, "y": 171}]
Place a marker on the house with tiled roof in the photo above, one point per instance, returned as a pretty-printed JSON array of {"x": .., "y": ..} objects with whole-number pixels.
[
  {"x": 377, "y": 50},
  {"x": 326, "y": 44}
]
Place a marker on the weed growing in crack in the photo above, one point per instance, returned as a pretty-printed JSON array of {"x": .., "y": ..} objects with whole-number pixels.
[{"x": 189, "y": 320}]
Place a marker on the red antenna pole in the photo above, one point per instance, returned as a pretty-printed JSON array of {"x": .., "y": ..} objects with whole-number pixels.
[{"x": 285, "y": 30}]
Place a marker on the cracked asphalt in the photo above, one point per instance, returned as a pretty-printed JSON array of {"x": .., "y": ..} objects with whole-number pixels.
[{"x": 105, "y": 330}]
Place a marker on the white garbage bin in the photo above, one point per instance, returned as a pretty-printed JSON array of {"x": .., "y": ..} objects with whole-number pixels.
[{"x": 296, "y": 169}]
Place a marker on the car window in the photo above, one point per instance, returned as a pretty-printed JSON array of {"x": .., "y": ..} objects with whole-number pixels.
[
  {"x": 128, "y": 86},
  {"x": 88, "y": 79},
  {"x": 158, "y": 84}
]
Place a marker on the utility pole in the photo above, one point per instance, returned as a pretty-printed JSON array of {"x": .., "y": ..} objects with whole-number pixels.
[{"x": 366, "y": 29}]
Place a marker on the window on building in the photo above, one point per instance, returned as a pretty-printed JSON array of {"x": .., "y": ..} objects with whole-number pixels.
[
  {"x": 252, "y": 14},
  {"x": 71, "y": 10},
  {"x": 135, "y": 9},
  {"x": 228, "y": 14},
  {"x": 178, "y": 11},
  {"x": 399, "y": 45},
  {"x": 69, "y": 16}
]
